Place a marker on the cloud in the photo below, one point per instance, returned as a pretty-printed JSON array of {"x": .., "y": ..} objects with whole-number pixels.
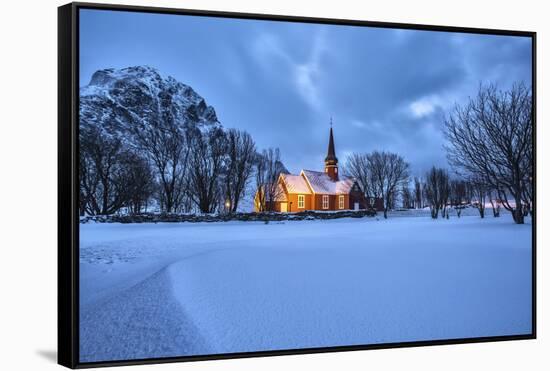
[
  {"x": 308, "y": 74},
  {"x": 358, "y": 124},
  {"x": 274, "y": 54},
  {"x": 421, "y": 108},
  {"x": 268, "y": 49},
  {"x": 424, "y": 106},
  {"x": 305, "y": 81},
  {"x": 386, "y": 88}
]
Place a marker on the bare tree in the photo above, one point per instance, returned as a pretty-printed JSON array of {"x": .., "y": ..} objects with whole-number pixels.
[
  {"x": 491, "y": 138},
  {"x": 241, "y": 153},
  {"x": 166, "y": 147},
  {"x": 478, "y": 190},
  {"x": 88, "y": 180},
  {"x": 389, "y": 172},
  {"x": 446, "y": 193},
  {"x": 357, "y": 167},
  {"x": 261, "y": 179},
  {"x": 459, "y": 195},
  {"x": 103, "y": 186},
  {"x": 418, "y": 195},
  {"x": 528, "y": 181},
  {"x": 437, "y": 191},
  {"x": 205, "y": 166},
  {"x": 492, "y": 194},
  {"x": 268, "y": 170},
  {"x": 407, "y": 197},
  {"x": 139, "y": 180}
]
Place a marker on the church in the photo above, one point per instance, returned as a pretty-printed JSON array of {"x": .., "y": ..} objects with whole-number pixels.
[{"x": 320, "y": 190}]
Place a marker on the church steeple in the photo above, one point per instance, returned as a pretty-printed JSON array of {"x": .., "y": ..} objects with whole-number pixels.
[{"x": 331, "y": 162}]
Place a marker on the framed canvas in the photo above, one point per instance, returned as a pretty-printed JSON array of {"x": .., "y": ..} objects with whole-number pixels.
[{"x": 239, "y": 185}]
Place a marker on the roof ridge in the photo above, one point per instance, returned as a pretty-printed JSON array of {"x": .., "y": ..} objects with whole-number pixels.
[{"x": 313, "y": 171}]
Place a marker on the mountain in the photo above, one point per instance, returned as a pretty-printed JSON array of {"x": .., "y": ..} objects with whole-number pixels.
[
  {"x": 119, "y": 101},
  {"x": 116, "y": 100}
]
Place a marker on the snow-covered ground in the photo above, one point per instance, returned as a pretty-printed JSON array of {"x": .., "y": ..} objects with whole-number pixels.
[{"x": 160, "y": 290}]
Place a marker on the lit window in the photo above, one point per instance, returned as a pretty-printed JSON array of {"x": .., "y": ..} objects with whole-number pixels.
[
  {"x": 335, "y": 170},
  {"x": 301, "y": 201},
  {"x": 325, "y": 201},
  {"x": 341, "y": 201}
]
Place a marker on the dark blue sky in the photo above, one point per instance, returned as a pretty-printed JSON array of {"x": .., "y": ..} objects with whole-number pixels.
[{"x": 385, "y": 89}]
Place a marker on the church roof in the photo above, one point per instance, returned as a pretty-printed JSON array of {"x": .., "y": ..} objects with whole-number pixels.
[
  {"x": 295, "y": 184},
  {"x": 321, "y": 183}
]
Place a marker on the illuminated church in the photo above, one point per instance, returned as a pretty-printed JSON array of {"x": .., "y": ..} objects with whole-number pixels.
[{"x": 320, "y": 190}]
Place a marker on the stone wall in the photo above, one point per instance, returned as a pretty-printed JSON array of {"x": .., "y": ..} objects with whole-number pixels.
[{"x": 201, "y": 218}]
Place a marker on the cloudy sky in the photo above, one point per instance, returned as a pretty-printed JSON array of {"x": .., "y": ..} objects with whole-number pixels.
[{"x": 385, "y": 89}]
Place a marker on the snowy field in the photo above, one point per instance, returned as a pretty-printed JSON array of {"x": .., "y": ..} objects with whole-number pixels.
[{"x": 160, "y": 290}]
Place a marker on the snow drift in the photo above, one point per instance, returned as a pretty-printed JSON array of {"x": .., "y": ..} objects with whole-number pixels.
[{"x": 185, "y": 289}]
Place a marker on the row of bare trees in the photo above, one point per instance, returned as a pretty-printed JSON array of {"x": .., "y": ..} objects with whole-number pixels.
[
  {"x": 385, "y": 175},
  {"x": 111, "y": 176},
  {"x": 441, "y": 193},
  {"x": 176, "y": 168},
  {"x": 490, "y": 139},
  {"x": 490, "y": 147},
  {"x": 380, "y": 174}
]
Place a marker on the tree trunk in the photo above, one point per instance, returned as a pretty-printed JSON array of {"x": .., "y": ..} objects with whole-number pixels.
[
  {"x": 518, "y": 216},
  {"x": 518, "y": 211}
]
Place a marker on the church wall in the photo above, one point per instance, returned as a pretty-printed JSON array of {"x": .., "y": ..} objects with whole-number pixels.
[
  {"x": 315, "y": 202},
  {"x": 332, "y": 202},
  {"x": 346, "y": 203},
  {"x": 294, "y": 199}
]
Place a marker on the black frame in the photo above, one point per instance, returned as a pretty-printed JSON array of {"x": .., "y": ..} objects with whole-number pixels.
[{"x": 68, "y": 149}]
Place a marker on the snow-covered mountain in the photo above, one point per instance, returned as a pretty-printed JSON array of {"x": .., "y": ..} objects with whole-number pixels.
[{"x": 117, "y": 100}]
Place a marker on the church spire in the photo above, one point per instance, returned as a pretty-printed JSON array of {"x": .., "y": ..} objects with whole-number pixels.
[
  {"x": 331, "y": 156},
  {"x": 331, "y": 162}
]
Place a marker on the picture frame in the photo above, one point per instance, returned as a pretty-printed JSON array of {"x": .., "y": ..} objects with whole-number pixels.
[{"x": 69, "y": 298}]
